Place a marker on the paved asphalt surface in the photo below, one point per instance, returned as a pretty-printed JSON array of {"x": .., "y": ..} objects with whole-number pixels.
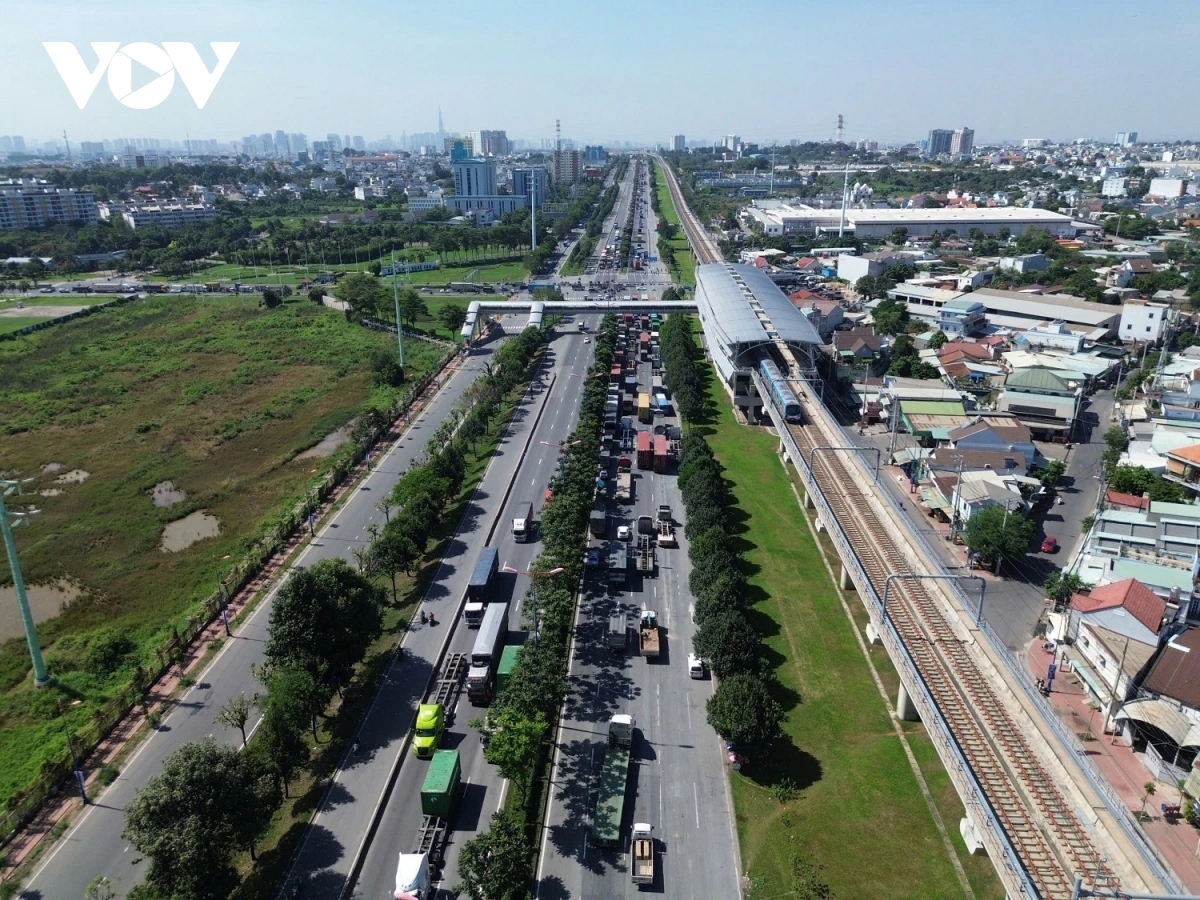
[
  {"x": 94, "y": 846},
  {"x": 677, "y": 781}
]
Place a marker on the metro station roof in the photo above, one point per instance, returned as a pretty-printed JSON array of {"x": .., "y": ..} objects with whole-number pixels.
[{"x": 727, "y": 296}]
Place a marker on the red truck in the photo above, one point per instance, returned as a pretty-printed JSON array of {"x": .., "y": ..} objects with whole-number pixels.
[
  {"x": 645, "y": 454},
  {"x": 644, "y": 344},
  {"x": 614, "y": 375},
  {"x": 660, "y": 453}
]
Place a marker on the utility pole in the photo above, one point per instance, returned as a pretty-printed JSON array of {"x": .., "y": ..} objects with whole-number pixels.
[
  {"x": 40, "y": 676},
  {"x": 399, "y": 325},
  {"x": 845, "y": 200}
]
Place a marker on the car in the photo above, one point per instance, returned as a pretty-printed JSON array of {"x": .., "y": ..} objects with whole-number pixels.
[
  {"x": 695, "y": 666},
  {"x": 1049, "y": 544},
  {"x": 587, "y": 340},
  {"x": 624, "y": 533},
  {"x": 46, "y": 290},
  {"x": 593, "y": 558}
]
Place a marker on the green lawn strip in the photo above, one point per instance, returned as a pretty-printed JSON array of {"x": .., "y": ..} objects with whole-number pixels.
[
  {"x": 57, "y": 300},
  {"x": 217, "y": 397},
  {"x": 262, "y": 880},
  {"x": 16, "y": 323},
  {"x": 684, "y": 267},
  {"x": 860, "y": 814}
]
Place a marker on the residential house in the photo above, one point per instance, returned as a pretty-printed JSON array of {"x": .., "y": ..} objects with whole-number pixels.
[
  {"x": 1129, "y": 502},
  {"x": 1044, "y": 400},
  {"x": 826, "y": 315},
  {"x": 808, "y": 265},
  {"x": 1003, "y": 433},
  {"x": 1114, "y": 631},
  {"x": 1137, "y": 266},
  {"x": 1143, "y": 321},
  {"x": 1028, "y": 262},
  {"x": 851, "y": 268},
  {"x": 857, "y": 352},
  {"x": 962, "y": 316},
  {"x": 1183, "y": 466},
  {"x": 1164, "y": 718}
]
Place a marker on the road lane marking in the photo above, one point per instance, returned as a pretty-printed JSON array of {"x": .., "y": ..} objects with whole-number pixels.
[{"x": 696, "y": 797}]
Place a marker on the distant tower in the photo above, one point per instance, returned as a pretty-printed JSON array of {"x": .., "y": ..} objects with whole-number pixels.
[
  {"x": 558, "y": 136},
  {"x": 841, "y": 129},
  {"x": 441, "y": 130},
  {"x": 68, "y": 143}
]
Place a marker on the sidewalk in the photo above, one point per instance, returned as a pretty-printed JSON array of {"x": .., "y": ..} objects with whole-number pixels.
[
  {"x": 1176, "y": 841},
  {"x": 158, "y": 697}
]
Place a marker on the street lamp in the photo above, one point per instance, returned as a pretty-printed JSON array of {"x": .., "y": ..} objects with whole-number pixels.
[
  {"x": 533, "y": 577},
  {"x": 560, "y": 444},
  {"x": 917, "y": 576},
  {"x": 1004, "y": 526},
  {"x": 7, "y": 488}
]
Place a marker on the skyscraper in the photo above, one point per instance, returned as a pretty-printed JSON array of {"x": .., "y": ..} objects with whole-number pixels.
[
  {"x": 358, "y": 143},
  {"x": 962, "y": 141},
  {"x": 939, "y": 142},
  {"x": 282, "y": 148},
  {"x": 1126, "y": 138},
  {"x": 335, "y": 142},
  {"x": 678, "y": 143},
  {"x": 490, "y": 143},
  {"x": 567, "y": 168},
  {"x": 529, "y": 181}
]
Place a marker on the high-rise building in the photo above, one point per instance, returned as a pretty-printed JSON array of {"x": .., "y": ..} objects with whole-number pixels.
[
  {"x": 939, "y": 142},
  {"x": 346, "y": 141},
  {"x": 962, "y": 142},
  {"x": 459, "y": 149},
  {"x": 678, "y": 143},
  {"x": 335, "y": 143},
  {"x": 282, "y": 149},
  {"x": 531, "y": 180},
  {"x": 490, "y": 143},
  {"x": 298, "y": 143},
  {"x": 732, "y": 142},
  {"x": 567, "y": 166},
  {"x": 5, "y": 144},
  {"x": 1126, "y": 138},
  {"x": 18, "y": 143},
  {"x": 594, "y": 153},
  {"x": 32, "y": 204},
  {"x": 474, "y": 177},
  {"x": 358, "y": 143},
  {"x": 87, "y": 149}
]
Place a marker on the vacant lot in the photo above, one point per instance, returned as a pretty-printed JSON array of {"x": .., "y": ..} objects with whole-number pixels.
[
  {"x": 214, "y": 395},
  {"x": 859, "y": 814}
]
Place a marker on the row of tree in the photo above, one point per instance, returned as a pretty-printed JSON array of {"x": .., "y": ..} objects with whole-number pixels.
[
  {"x": 743, "y": 709},
  {"x": 495, "y": 865}
]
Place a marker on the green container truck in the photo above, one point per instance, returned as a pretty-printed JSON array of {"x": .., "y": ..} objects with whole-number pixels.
[
  {"x": 614, "y": 777},
  {"x": 508, "y": 662},
  {"x": 440, "y": 790}
]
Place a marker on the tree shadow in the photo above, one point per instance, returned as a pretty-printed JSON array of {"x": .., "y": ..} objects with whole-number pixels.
[{"x": 783, "y": 759}]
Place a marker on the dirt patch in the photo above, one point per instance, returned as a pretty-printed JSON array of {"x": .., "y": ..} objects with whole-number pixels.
[
  {"x": 75, "y": 476},
  {"x": 328, "y": 444},
  {"x": 50, "y": 492},
  {"x": 165, "y": 494},
  {"x": 45, "y": 602},
  {"x": 36, "y": 312},
  {"x": 182, "y": 533},
  {"x": 51, "y": 468}
]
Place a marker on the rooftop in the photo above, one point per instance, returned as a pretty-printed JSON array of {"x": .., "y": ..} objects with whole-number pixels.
[
  {"x": 1140, "y": 602},
  {"x": 725, "y": 298},
  {"x": 1176, "y": 672}
]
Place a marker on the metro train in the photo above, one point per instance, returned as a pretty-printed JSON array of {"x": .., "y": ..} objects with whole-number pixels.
[{"x": 780, "y": 391}]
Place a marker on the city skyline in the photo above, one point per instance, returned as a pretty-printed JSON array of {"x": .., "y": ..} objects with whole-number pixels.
[{"x": 640, "y": 78}]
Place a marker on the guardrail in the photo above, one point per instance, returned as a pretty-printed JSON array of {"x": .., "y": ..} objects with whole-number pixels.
[{"x": 1070, "y": 743}]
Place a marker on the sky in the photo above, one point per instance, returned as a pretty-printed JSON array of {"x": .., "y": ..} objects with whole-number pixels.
[{"x": 636, "y": 70}]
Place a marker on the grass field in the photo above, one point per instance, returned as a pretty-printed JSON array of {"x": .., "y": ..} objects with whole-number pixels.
[
  {"x": 292, "y": 275},
  {"x": 859, "y": 815},
  {"x": 217, "y": 397},
  {"x": 684, "y": 269},
  {"x": 56, "y": 300},
  {"x": 16, "y": 323}
]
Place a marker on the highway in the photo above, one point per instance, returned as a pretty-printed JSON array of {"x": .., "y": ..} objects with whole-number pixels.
[
  {"x": 678, "y": 779},
  {"x": 93, "y": 846}
]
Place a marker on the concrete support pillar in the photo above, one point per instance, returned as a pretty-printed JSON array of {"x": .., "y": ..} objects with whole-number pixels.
[
  {"x": 971, "y": 837},
  {"x": 844, "y": 581},
  {"x": 872, "y": 635},
  {"x": 905, "y": 707},
  {"x": 808, "y": 504}
]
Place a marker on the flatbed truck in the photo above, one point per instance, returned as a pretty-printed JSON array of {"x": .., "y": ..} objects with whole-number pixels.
[
  {"x": 645, "y": 554},
  {"x": 648, "y": 637},
  {"x": 438, "y": 711},
  {"x": 614, "y": 779},
  {"x": 642, "y": 839}
]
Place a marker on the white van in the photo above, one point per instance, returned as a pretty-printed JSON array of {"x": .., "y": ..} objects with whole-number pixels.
[{"x": 695, "y": 666}]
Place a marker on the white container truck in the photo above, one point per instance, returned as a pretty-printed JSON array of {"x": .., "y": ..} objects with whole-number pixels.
[{"x": 412, "y": 877}]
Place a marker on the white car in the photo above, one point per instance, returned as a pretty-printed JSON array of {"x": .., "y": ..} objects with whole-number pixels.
[
  {"x": 695, "y": 666},
  {"x": 587, "y": 340},
  {"x": 624, "y": 533}
]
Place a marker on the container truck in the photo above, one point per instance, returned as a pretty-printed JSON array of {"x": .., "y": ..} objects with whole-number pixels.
[
  {"x": 614, "y": 778},
  {"x": 644, "y": 412},
  {"x": 642, "y": 839},
  {"x": 644, "y": 345},
  {"x": 439, "y": 792},
  {"x": 508, "y": 662},
  {"x": 660, "y": 453},
  {"x": 618, "y": 632},
  {"x": 625, "y": 487},
  {"x": 618, "y": 562},
  {"x": 522, "y": 523},
  {"x": 413, "y": 881},
  {"x": 598, "y": 523},
  {"x": 434, "y": 714},
  {"x": 645, "y": 453},
  {"x": 481, "y": 585},
  {"x": 648, "y": 633},
  {"x": 485, "y": 655}
]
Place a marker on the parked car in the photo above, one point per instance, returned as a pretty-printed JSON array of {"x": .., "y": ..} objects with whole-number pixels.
[
  {"x": 1049, "y": 545},
  {"x": 624, "y": 533}
]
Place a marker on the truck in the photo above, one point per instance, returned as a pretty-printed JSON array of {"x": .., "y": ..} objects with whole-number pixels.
[
  {"x": 618, "y": 632},
  {"x": 508, "y": 662},
  {"x": 439, "y": 795},
  {"x": 660, "y": 453},
  {"x": 631, "y": 384},
  {"x": 485, "y": 655},
  {"x": 522, "y": 523},
  {"x": 433, "y": 715},
  {"x": 614, "y": 779},
  {"x": 598, "y": 523},
  {"x": 645, "y": 454},
  {"x": 644, "y": 412},
  {"x": 644, "y": 345},
  {"x": 642, "y": 850},
  {"x": 645, "y": 525},
  {"x": 439, "y": 792},
  {"x": 662, "y": 404},
  {"x": 648, "y": 633},
  {"x": 645, "y": 554},
  {"x": 666, "y": 535},
  {"x": 413, "y": 881},
  {"x": 625, "y": 487},
  {"x": 664, "y": 513},
  {"x": 479, "y": 588},
  {"x": 615, "y": 374},
  {"x": 618, "y": 562}
]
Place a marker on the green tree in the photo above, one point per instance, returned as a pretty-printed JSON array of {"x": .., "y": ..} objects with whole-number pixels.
[
  {"x": 323, "y": 620},
  {"x": 1052, "y": 472},
  {"x": 670, "y": 295},
  {"x": 869, "y": 287},
  {"x": 363, "y": 293},
  {"x": 100, "y": 888},
  {"x": 452, "y": 316},
  {"x": 899, "y": 236},
  {"x": 393, "y": 550},
  {"x": 513, "y": 747},
  {"x": 743, "y": 711},
  {"x": 1116, "y": 441},
  {"x": 288, "y": 712},
  {"x": 235, "y": 714},
  {"x": 1140, "y": 480},
  {"x": 494, "y": 865},
  {"x": 997, "y": 533},
  {"x": 891, "y": 317},
  {"x": 727, "y": 641},
  {"x": 1061, "y": 584},
  {"x": 191, "y": 818},
  {"x": 937, "y": 341},
  {"x": 271, "y": 298},
  {"x": 386, "y": 370},
  {"x": 317, "y": 295},
  {"x": 412, "y": 307}
]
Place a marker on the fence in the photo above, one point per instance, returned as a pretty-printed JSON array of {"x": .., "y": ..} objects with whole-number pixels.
[
  {"x": 56, "y": 774},
  {"x": 58, "y": 320}
]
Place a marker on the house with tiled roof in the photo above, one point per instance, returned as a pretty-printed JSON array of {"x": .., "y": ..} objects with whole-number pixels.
[
  {"x": 808, "y": 264},
  {"x": 1005, "y": 434},
  {"x": 857, "y": 351},
  {"x": 1183, "y": 466},
  {"x": 1119, "y": 500},
  {"x": 1163, "y": 719}
]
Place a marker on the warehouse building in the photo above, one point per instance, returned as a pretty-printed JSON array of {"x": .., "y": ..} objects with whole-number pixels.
[{"x": 777, "y": 217}]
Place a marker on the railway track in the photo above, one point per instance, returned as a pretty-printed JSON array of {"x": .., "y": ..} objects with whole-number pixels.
[{"x": 1047, "y": 836}]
